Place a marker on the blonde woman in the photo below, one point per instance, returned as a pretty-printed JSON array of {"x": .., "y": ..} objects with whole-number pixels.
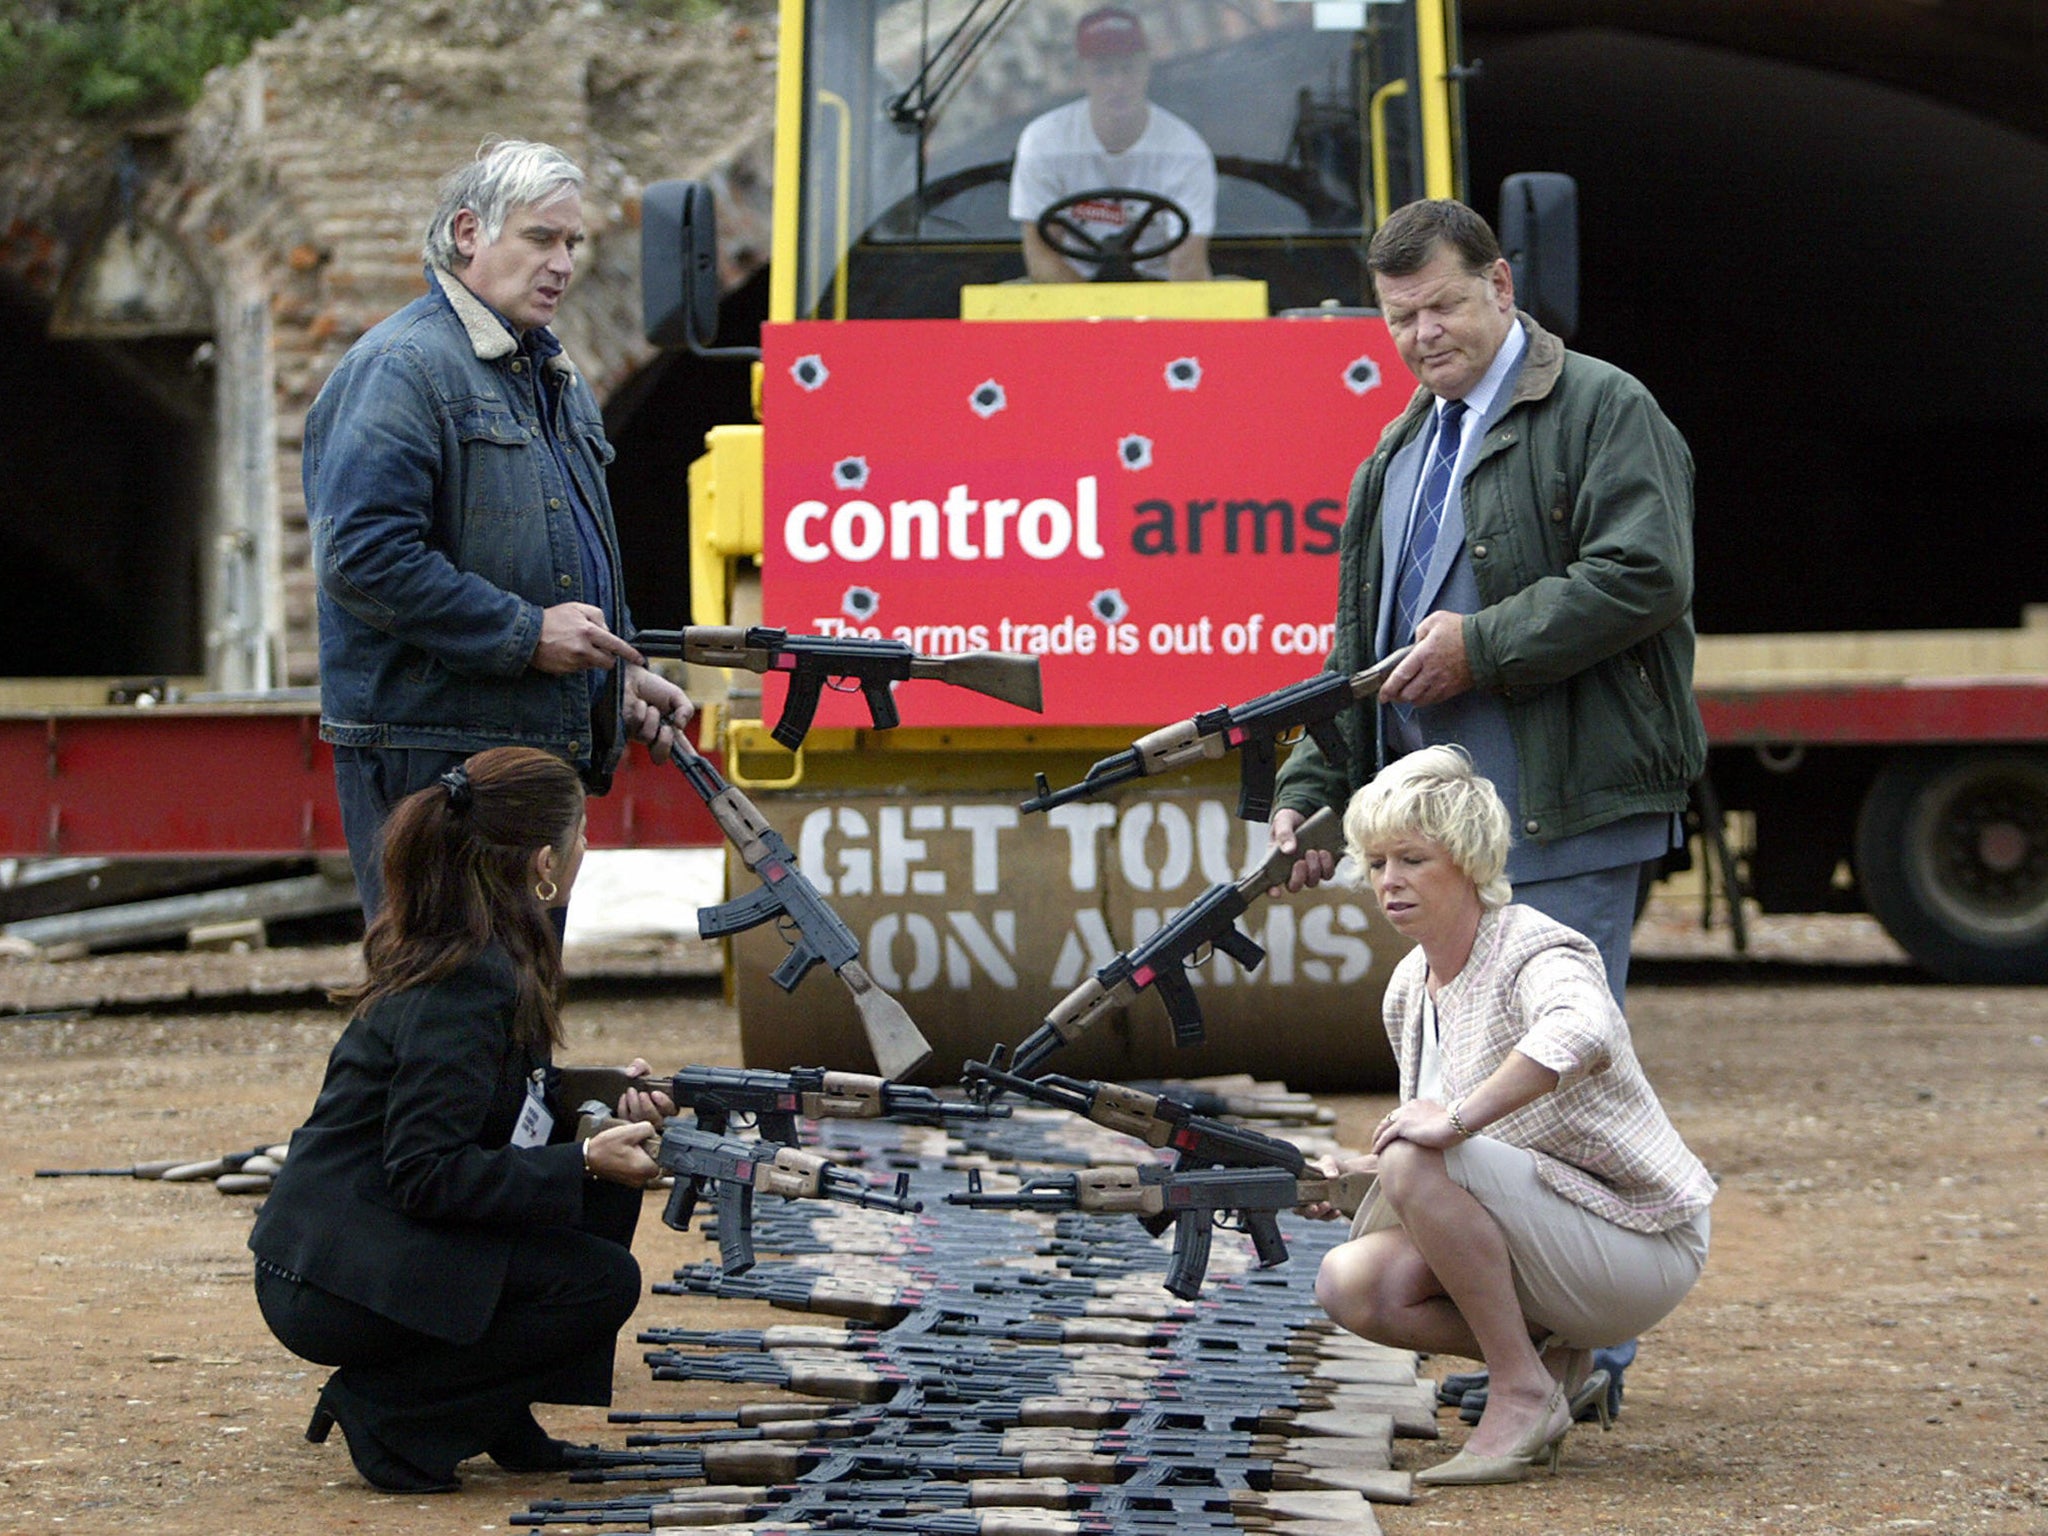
[{"x": 1534, "y": 1202}]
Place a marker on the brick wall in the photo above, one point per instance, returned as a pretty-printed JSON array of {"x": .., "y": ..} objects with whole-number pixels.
[{"x": 302, "y": 181}]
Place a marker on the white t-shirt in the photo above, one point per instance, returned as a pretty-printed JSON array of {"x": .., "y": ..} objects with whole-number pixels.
[{"x": 1059, "y": 155}]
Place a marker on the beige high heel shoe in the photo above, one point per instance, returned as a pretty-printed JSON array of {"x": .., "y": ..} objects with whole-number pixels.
[
  {"x": 1542, "y": 1441},
  {"x": 1588, "y": 1396},
  {"x": 1592, "y": 1394}
]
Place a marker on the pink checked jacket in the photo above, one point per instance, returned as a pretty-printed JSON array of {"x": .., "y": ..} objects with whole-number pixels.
[{"x": 1601, "y": 1139}]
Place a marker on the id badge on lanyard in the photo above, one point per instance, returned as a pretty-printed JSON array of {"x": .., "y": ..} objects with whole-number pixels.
[{"x": 535, "y": 1119}]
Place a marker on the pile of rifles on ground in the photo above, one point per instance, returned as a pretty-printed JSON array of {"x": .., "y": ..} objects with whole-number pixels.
[{"x": 1002, "y": 1355}]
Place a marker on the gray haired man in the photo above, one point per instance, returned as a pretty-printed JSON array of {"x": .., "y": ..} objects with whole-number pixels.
[{"x": 470, "y": 588}]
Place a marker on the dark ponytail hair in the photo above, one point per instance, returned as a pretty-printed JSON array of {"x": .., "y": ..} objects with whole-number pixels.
[{"x": 458, "y": 874}]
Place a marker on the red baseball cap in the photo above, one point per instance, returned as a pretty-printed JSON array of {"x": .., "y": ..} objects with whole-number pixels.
[{"x": 1108, "y": 33}]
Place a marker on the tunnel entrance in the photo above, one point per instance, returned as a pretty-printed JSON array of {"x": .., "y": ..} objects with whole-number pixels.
[
  {"x": 1833, "y": 287},
  {"x": 657, "y": 423},
  {"x": 107, "y": 461}
]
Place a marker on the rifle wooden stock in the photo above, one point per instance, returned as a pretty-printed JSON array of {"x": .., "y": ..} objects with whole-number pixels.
[
  {"x": 583, "y": 1086},
  {"x": 899, "y": 1047},
  {"x": 1323, "y": 832},
  {"x": 1001, "y": 675}
]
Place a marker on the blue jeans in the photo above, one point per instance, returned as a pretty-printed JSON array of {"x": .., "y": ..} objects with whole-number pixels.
[
  {"x": 370, "y": 781},
  {"x": 1601, "y": 904}
]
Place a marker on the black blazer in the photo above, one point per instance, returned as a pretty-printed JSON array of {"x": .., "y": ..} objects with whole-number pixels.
[{"x": 402, "y": 1193}]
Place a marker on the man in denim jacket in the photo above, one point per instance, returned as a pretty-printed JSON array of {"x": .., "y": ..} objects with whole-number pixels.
[{"x": 470, "y": 588}]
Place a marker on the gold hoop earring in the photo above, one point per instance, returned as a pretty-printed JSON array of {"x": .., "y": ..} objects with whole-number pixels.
[{"x": 547, "y": 891}]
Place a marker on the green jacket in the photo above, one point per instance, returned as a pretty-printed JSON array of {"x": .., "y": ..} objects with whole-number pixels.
[{"x": 1578, "y": 528}]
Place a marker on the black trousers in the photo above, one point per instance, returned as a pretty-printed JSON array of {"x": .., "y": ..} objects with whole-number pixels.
[{"x": 552, "y": 1340}]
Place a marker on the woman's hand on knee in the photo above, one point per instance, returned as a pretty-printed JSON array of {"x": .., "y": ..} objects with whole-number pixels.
[
  {"x": 621, "y": 1154},
  {"x": 1422, "y": 1121}
]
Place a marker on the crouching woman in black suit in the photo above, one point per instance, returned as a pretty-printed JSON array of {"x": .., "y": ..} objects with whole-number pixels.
[{"x": 437, "y": 1232}]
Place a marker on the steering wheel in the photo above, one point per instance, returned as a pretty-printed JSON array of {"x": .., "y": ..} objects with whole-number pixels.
[{"x": 1117, "y": 256}]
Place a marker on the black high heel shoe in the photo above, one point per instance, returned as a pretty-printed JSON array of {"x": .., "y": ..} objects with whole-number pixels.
[
  {"x": 524, "y": 1446},
  {"x": 377, "y": 1465}
]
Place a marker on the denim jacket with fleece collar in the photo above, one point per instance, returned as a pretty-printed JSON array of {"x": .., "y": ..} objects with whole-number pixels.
[{"x": 441, "y": 528}]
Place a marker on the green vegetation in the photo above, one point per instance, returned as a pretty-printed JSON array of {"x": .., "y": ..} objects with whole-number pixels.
[
  {"x": 120, "y": 58},
  {"x": 102, "y": 58},
  {"x": 671, "y": 10}
]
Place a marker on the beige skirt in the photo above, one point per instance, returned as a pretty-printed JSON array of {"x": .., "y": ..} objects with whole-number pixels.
[{"x": 1577, "y": 1275}]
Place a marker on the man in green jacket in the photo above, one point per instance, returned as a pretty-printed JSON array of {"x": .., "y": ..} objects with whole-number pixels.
[{"x": 1525, "y": 527}]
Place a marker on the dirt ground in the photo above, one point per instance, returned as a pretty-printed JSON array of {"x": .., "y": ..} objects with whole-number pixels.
[{"x": 1867, "y": 1351}]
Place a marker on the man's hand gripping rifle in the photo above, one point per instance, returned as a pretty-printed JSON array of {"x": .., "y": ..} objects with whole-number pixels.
[
  {"x": 732, "y": 1170},
  {"x": 811, "y": 661},
  {"x": 1161, "y": 961},
  {"x": 899, "y": 1047},
  {"x": 1254, "y": 728},
  {"x": 1196, "y": 1202}
]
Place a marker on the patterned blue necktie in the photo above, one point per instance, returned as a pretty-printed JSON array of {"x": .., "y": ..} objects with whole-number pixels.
[{"x": 1429, "y": 520}]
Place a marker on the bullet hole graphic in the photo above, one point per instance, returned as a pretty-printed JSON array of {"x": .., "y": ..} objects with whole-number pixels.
[
  {"x": 987, "y": 399},
  {"x": 1134, "y": 452},
  {"x": 809, "y": 371},
  {"x": 1361, "y": 375},
  {"x": 1183, "y": 373},
  {"x": 1109, "y": 606},
  {"x": 850, "y": 474},
  {"x": 860, "y": 602}
]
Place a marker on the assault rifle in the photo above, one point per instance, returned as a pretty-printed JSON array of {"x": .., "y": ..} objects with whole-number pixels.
[
  {"x": 1161, "y": 961},
  {"x": 774, "y": 1100},
  {"x": 1196, "y": 1141},
  {"x": 899, "y": 1047},
  {"x": 810, "y": 661},
  {"x": 733, "y": 1170},
  {"x": 1254, "y": 728},
  {"x": 1195, "y": 1201},
  {"x": 181, "y": 1170}
]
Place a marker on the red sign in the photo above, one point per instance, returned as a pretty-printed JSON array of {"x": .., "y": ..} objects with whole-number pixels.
[{"x": 1150, "y": 506}]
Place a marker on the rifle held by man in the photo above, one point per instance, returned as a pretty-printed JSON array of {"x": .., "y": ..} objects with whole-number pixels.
[
  {"x": 899, "y": 1047},
  {"x": 1161, "y": 961},
  {"x": 1254, "y": 729},
  {"x": 811, "y": 661}
]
